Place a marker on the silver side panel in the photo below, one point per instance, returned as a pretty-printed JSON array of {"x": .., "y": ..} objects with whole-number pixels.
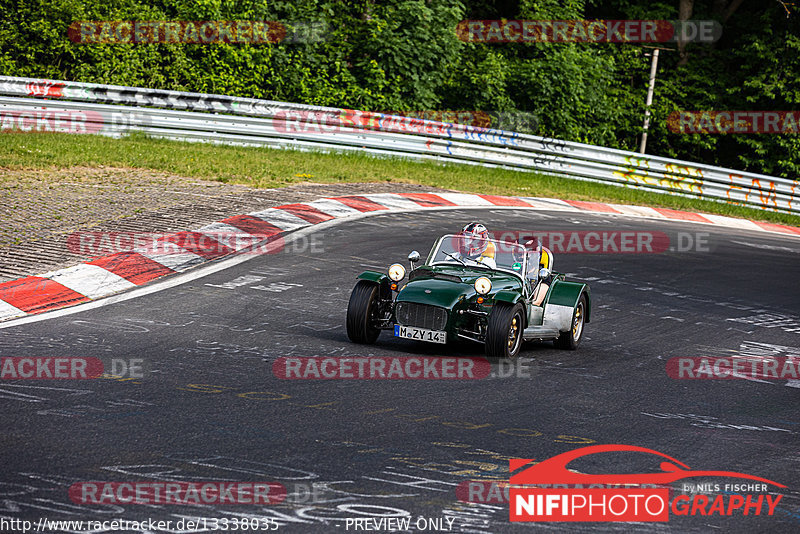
[
  {"x": 539, "y": 332},
  {"x": 558, "y": 317},
  {"x": 535, "y": 315}
]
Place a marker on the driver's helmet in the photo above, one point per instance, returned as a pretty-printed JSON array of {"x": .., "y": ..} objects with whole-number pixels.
[{"x": 475, "y": 239}]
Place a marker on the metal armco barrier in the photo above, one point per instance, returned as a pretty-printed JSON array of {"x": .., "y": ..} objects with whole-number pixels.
[{"x": 45, "y": 105}]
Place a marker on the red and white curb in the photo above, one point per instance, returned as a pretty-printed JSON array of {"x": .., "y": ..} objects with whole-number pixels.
[{"x": 106, "y": 275}]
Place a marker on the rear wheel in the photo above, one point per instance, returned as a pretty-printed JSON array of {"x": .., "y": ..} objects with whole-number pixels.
[
  {"x": 361, "y": 313},
  {"x": 569, "y": 340},
  {"x": 504, "y": 332}
]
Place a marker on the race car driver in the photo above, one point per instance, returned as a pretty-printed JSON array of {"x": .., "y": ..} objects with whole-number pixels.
[{"x": 476, "y": 245}]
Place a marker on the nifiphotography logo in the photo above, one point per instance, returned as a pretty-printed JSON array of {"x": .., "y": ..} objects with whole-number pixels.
[{"x": 563, "y": 494}]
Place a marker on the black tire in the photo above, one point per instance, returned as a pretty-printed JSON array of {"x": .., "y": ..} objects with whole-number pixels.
[
  {"x": 570, "y": 339},
  {"x": 504, "y": 331},
  {"x": 360, "y": 312}
]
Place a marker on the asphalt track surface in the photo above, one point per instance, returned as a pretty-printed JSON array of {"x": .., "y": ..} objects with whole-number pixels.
[{"x": 208, "y": 406}]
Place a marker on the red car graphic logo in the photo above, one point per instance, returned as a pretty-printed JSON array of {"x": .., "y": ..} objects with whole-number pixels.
[{"x": 554, "y": 470}]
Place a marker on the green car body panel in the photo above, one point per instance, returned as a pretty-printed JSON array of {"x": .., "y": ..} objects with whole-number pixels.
[
  {"x": 567, "y": 294},
  {"x": 510, "y": 296},
  {"x": 373, "y": 276},
  {"x": 445, "y": 286},
  {"x": 441, "y": 296},
  {"x": 451, "y": 287}
]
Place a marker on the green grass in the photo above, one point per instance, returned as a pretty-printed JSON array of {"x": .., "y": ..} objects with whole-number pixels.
[{"x": 262, "y": 167}]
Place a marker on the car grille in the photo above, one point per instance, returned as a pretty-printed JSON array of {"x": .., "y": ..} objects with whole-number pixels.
[{"x": 421, "y": 315}]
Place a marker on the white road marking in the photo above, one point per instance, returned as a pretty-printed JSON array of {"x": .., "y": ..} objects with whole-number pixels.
[
  {"x": 8, "y": 311},
  {"x": 281, "y": 218},
  {"x": 639, "y": 211},
  {"x": 229, "y": 235},
  {"x": 89, "y": 280},
  {"x": 764, "y": 246},
  {"x": 744, "y": 224},
  {"x": 177, "y": 262},
  {"x": 551, "y": 203},
  {"x": 465, "y": 198},
  {"x": 392, "y": 201},
  {"x": 333, "y": 207}
]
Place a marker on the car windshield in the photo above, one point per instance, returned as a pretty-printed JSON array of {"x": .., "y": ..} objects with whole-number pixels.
[{"x": 479, "y": 254}]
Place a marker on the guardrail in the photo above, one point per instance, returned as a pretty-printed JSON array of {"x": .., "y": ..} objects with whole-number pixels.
[{"x": 46, "y": 105}]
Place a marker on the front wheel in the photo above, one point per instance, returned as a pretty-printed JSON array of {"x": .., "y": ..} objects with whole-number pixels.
[
  {"x": 504, "y": 331},
  {"x": 361, "y": 311},
  {"x": 569, "y": 340}
]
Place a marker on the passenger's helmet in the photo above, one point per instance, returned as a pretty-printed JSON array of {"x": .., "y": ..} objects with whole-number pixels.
[{"x": 475, "y": 239}]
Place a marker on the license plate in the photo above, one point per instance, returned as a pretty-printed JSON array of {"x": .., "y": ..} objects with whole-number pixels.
[{"x": 421, "y": 334}]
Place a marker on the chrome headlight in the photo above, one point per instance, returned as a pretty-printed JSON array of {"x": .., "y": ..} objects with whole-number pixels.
[
  {"x": 483, "y": 285},
  {"x": 397, "y": 272}
]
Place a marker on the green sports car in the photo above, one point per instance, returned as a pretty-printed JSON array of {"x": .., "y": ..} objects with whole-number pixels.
[{"x": 454, "y": 295}]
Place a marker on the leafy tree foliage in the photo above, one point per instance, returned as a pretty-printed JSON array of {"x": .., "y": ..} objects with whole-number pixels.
[{"x": 405, "y": 55}]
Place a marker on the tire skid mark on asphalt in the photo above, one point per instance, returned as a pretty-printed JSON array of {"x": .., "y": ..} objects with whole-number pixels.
[
  {"x": 307, "y": 490},
  {"x": 711, "y": 422},
  {"x": 609, "y": 278},
  {"x": 757, "y": 350},
  {"x": 212, "y": 389}
]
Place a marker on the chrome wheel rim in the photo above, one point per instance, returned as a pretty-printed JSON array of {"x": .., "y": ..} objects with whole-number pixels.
[
  {"x": 577, "y": 322},
  {"x": 513, "y": 333}
]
